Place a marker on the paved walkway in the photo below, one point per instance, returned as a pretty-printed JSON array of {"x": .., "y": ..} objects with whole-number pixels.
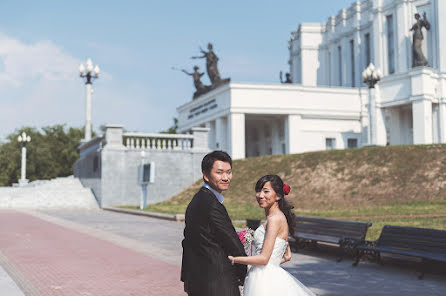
[
  {"x": 56, "y": 260},
  {"x": 104, "y": 253}
]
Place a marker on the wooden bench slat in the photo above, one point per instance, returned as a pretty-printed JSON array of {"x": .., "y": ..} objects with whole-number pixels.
[
  {"x": 427, "y": 255},
  {"x": 409, "y": 241},
  {"x": 322, "y": 238}
]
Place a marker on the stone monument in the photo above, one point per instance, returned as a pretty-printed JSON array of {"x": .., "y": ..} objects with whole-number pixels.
[
  {"x": 199, "y": 86},
  {"x": 287, "y": 78},
  {"x": 212, "y": 69},
  {"x": 418, "y": 58}
]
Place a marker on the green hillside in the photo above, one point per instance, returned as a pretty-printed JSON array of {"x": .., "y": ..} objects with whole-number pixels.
[{"x": 359, "y": 184}]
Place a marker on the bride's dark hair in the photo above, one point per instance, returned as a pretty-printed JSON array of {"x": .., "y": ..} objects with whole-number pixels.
[{"x": 284, "y": 206}]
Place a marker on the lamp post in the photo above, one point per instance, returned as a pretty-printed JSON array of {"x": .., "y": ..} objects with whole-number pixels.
[
  {"x": 23, "y": 138},
  {"x": 371, "y": 76},
  {"x": 88, "y": 72}
]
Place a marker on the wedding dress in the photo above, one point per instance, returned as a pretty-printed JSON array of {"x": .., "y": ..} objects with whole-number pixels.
[{"x": 272, "y": 279}]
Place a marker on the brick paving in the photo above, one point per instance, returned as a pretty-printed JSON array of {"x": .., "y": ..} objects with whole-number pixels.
[
  {"x": 57, "y": 260},
  {"x": 159, "y": 241}
]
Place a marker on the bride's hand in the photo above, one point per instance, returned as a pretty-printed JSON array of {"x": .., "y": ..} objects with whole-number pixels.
[
  {"x": 231, "y": 258},
  {"x": 287, "y": 256}
]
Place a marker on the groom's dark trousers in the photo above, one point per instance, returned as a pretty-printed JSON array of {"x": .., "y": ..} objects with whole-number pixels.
[{"x": 209, "y": 238}]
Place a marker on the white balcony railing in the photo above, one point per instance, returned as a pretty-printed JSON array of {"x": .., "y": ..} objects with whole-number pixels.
[{"x": 147, "y": 141}]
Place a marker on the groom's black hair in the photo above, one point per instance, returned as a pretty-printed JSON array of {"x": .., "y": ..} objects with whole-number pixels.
[{"x": 208, "y": 161}]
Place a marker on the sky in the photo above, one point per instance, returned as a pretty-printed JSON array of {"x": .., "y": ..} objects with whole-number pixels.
[{"x": 136, "y": 44}]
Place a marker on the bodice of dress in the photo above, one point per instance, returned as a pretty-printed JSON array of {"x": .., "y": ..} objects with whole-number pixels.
[{"x": 279, "y": 246}]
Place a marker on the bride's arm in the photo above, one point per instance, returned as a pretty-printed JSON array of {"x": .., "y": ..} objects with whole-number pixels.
[{"x": 273, "y": 227}]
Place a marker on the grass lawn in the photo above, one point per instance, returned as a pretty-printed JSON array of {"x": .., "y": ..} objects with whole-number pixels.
[{"x": 246, "y": 211}]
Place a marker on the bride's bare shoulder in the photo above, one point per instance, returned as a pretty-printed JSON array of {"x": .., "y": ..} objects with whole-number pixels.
[{"x": 276, "y": 219}]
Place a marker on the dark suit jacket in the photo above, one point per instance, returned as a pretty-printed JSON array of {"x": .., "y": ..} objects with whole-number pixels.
[{"x": 209, "y": 238}]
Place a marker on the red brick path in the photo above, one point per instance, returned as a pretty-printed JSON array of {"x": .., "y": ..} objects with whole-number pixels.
[{"x": 60, "y": 261}]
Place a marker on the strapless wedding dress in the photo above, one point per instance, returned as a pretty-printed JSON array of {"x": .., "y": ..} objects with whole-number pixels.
[{"x": 272, "y": 279}]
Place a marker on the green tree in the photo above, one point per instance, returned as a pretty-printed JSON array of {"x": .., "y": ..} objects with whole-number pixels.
[
  {"x": 51, "y": 153},
  {"x": 173, "y": 129}
]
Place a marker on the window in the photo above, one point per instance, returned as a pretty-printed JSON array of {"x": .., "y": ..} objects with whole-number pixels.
[
  {"x": 352, "y": 143},
  {"x": 330, "y": 143},
  {"x": 329, "y": 68},
  {"x": 352, "y": 56},
  {"x": 390, "y": 45},
  {"x": 95, "y": 163},
  {"x": 340, "y": 65},
  {"x": 146, "y": 173},
  {"x": 368, "y": 59}
]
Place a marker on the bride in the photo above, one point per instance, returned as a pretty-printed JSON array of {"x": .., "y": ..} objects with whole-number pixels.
[{"x": 266, "y": 277}]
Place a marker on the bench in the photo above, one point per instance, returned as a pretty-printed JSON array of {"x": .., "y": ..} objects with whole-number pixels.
[
  {"x": 423, "y": 243},
  {"x": 346, "y": 234}
]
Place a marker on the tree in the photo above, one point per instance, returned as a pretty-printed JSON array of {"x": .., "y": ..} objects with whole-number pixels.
[
  {"x": 173, "y": 129},
  {"x": 51, "y": 153}
]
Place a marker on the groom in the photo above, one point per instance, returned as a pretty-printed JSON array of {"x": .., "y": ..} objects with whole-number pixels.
[{"x": 209, "y": 236}]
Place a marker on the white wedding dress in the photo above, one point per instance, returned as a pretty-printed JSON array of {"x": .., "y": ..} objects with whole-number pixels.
[{"x": 272, "y": 279}]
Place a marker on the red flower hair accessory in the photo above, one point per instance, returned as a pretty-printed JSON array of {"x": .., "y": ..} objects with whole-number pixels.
[{"x": 286, "y": 189}]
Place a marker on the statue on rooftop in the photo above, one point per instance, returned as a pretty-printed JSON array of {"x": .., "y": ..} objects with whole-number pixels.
[
  {"x": 418, "y": 58},
  {"x": 211, "y": 66},
  {"x": 287, "y": 78},
  {"x": 200, "y": 87}
]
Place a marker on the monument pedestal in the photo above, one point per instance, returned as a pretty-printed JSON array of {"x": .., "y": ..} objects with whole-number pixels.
[{"x": 23, "y": 182}]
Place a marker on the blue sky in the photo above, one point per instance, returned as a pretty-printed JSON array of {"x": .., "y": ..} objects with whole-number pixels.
[{"x": 135, "y": 43}]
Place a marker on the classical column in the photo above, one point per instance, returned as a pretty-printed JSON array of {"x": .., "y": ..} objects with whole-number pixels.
[
  {"x": 236, "y": 135},
  {"x": 220, "y": 134},
  {"x": 403, "y": 49},
  {"x": 395, "y": 126},
  {"x": 442, "y": 120},
  {"x": 275, "y": 136},
  {"x": 380, "y": 131},
  {"x": 422, "y": 121},
  {"x": 211, "y": 134},
  {"x": 292, "y": 133}
]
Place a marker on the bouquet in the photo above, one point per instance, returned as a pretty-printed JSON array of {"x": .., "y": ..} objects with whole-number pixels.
[{"x": 246, "y": 237}]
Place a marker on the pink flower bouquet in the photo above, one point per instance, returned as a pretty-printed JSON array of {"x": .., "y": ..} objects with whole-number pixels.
[{"x": 246, "y": 237}]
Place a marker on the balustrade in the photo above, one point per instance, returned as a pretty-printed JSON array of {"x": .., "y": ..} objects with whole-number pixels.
[{"x": 138, "y": 141}]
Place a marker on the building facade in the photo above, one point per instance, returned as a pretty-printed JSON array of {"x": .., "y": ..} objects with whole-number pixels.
[{"x": 327, "y": 106}]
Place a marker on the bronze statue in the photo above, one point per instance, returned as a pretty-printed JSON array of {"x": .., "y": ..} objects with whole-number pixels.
[
  {"x": 418, "y": 58},
  {"x": 287, "y": 78},
  {"x": 211, "y": 66},
  {"x": 200, "y": 88}
]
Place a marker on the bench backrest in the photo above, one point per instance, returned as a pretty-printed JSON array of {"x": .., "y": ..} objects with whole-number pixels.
[
  {"x": 332, "y": 227},
  {"x": 412, "y": 238}
]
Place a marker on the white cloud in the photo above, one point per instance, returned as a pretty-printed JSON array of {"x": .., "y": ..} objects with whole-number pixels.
[
  {"x": 39, "y": 85},
  {"x": 42, "y": 60}
]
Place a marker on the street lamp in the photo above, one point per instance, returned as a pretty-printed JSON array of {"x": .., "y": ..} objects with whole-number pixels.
[
  {"x": 23, "y": 138},
  {"x": 371, "y": 76},
  {"x": 88, "y": 72}
]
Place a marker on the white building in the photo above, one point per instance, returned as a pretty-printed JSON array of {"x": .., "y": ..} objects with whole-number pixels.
[{"x": 328, "y": 106}]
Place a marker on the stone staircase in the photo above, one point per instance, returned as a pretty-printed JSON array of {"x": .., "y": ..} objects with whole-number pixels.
[{"x": 58, "y": 193}]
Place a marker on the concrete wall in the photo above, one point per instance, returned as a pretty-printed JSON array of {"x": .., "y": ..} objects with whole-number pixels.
[
  {"x": 117, "y": 182},
  {"x": 89, "y": 166}
]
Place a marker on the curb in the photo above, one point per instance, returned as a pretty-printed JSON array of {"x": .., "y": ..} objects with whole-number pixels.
[{"x": 177, "y": 217}]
